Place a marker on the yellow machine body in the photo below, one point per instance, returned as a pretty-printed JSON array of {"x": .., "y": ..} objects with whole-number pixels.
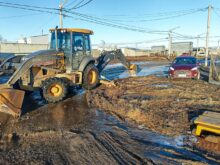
[{"x": 209, "y": 122}]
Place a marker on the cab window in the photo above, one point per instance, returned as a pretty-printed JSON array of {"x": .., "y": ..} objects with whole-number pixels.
[
  {"x": 87, "y": 43},
  {"x": 77, "y": 42},
  {"x": 63, "y": 40}
]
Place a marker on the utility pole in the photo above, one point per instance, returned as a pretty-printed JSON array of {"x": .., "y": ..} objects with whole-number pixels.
[
  {"x": 197, "y": 50},
  {"x": 198, "y": 37},
  {"x": 207, "y": 35},
  {"x": 170, "y": 39},
  {"x": 170, "y": 42},
  {"x": 218, "y": 44},
  {"x": 61, "y": 12}
]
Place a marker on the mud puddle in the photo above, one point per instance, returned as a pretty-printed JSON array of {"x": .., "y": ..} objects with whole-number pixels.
[
  {"x": 118, "y": 71},
  {"x": 70, "y": 132}
]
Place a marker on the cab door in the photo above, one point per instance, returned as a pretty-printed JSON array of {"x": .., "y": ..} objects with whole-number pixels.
[{"x": 81, "y": 48}]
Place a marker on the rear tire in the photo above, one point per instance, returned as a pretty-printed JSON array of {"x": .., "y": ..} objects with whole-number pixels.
[
  {"x": 54, "y": 90},
  {"x": 90, "y": 77}
]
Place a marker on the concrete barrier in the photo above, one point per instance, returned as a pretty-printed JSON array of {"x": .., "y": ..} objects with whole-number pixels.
[{"x": 17, "y": 48}]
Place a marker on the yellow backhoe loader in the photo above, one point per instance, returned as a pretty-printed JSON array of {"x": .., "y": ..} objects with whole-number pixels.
[{"x": 68, "y": 62}]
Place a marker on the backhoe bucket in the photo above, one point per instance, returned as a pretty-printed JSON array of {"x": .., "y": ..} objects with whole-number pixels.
[
  {"x": 11, "y": 101},
  {"x": 133, "y": 69}
]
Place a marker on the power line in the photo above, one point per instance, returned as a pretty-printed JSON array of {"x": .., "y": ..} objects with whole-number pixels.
[
  {"x": 29, "y": 9},
  {"x": 18, "y": 16},
  {"x": 79, "y": 6},
  {"x": 100, "y": 21},
  {"x": 215, "y": 8},
  {"x": 44, "y": 24},
  {"x": 216, "y": 12},
  {"x": 70, "y": 3},
  {"x": 79, "y": 3},
  {"x": 183, "y": 36},
  {"x": 139, "y": 42},
  {"x": 87, "y": 19},
  {"x": 30, "y": 6},
  {"x": 165, "y": 17},
  {"x": 156, "y": 14}
]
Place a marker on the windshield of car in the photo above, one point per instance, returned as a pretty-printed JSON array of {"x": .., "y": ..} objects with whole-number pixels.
[
  {"x": 63, "y": 39},
  {"x": 183, "y": 61}
]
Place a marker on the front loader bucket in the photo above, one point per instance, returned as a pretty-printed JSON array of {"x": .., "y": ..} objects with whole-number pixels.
[{"x": 11, "y": 101}]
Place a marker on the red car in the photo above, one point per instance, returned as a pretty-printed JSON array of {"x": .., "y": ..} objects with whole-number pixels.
[{"x": 184, "y": 67}]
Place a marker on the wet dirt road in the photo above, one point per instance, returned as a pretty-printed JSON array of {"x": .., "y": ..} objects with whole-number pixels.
[{"x": 70, "y": 132}]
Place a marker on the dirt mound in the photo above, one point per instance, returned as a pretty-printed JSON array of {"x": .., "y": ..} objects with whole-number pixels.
[
  {"x": 146, "y": 58},
  {"x": 163, "y": 105}
]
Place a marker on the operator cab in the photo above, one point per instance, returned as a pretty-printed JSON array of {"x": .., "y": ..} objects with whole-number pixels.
[{"x": 75, "y": 43}]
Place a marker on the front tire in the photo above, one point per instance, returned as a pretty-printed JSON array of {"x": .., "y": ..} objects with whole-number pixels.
[
  {"x": 90, "y": 77},
  {"x": 54, "y": 90}
]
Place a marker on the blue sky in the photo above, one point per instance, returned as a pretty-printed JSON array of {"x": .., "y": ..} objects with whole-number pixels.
[{"x": 126, "y": 10}]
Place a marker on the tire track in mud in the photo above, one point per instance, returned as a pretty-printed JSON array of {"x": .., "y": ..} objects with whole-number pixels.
[
  {"x": 63, "y": 133},
  {"x": 67, "y": 148},
  {"x": 118, "y": 145}
]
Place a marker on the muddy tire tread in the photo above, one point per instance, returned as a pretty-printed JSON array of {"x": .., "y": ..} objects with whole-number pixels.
[
  {"x": 86, "y": 84},
  {"x": 46, "y": 85}
]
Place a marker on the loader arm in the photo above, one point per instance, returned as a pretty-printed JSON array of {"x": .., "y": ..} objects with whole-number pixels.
[
  {"x": 11, "y": 99},
  {"x": 107, "y": 56},
  {"x": 26, "y": 65}
]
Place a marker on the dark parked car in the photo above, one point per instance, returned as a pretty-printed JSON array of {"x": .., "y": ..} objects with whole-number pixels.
[{"x": 184, "y": 67}]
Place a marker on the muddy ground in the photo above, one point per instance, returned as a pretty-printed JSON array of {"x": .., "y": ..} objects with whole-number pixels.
[
  {"x": 70, "y": 132},
  {"x": 163, "y": 105}
]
